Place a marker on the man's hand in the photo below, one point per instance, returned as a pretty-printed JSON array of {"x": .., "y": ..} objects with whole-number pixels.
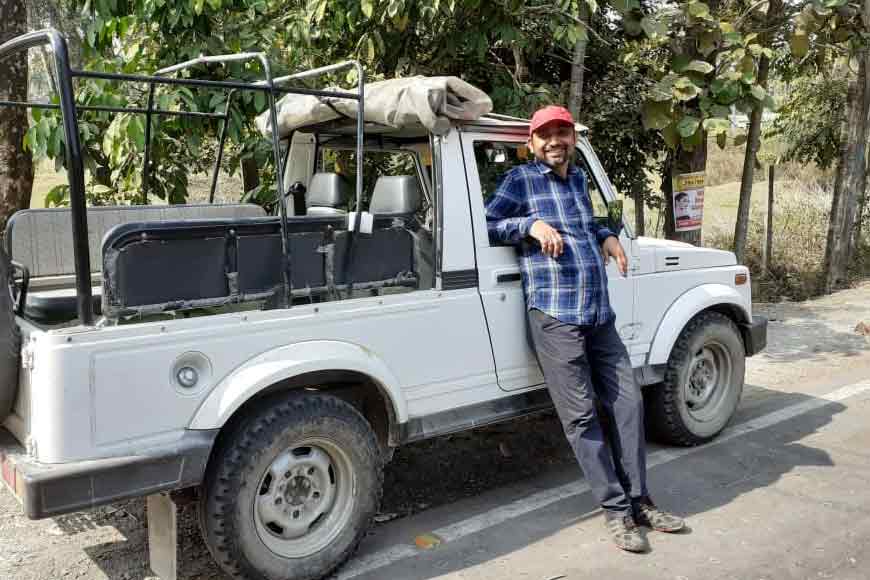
[
  {"x": 548, "y": 237},
  {"x": 612, "y": 247}
]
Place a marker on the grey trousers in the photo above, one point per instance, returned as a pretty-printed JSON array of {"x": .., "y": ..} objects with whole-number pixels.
[{"x": 582, "y": 365}]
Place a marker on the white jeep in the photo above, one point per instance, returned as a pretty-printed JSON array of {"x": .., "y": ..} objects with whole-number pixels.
[{"x": 273, "y": 362}]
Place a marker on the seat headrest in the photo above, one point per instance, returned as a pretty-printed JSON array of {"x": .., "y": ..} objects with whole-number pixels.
[
  {"x": 396, "y": 194},
  {"x": 327, "y": 190}
]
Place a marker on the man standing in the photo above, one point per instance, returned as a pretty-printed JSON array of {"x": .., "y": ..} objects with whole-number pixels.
[{"x": 543, "y": 207}]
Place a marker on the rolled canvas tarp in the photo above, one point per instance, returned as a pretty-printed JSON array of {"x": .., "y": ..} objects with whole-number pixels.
[{"x": 405, "y": 102}]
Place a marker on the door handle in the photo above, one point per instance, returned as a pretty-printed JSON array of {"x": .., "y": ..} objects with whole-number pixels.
[{"x": 508, "y": 277}]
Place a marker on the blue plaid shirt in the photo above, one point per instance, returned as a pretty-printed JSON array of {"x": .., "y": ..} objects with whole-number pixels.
[{"x": 573, "y": 287}]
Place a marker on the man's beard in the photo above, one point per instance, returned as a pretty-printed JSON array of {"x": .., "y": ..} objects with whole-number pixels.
[{"x": 568, "y": 159}]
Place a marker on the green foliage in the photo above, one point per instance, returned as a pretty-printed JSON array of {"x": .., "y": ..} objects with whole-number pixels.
[
  {"x": 810, "y": 119},
  {"x": 476, "y": 40},
  {"x": 703, "y": 66},
  {"x": 627, "y": 150},
  {"x": 834, "y": 23}
]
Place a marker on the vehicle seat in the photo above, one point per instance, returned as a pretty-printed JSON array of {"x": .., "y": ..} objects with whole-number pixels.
[
  {"x": 399, "y": 197},
  {"x": 328, "y": 194},
  {"x": 41, "y": 239},
  {"x": 396, "y": 195}
]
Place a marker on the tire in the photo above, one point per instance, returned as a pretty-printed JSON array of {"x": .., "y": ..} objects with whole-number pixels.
[
  {"x": 10, "y": 340},
  {"x": 292, "y": 489},
  {"x": 703, "y": 382}
]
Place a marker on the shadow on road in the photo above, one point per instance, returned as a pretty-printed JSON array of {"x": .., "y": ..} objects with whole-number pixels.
[
  {"x": 432, "y": 474},
  {"x": 702, "y": 481}
]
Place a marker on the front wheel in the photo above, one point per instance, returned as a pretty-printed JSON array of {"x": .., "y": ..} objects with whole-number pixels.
[
  {"x": 703, "y": 382},
  {"x": 290, "y": 492}
]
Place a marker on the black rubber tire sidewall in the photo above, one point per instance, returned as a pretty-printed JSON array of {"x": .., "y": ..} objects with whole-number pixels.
[
  {"x": 667, "y": 411},
  {"x": 10, "y": 341},
  {"x": 236, "y": 468}
]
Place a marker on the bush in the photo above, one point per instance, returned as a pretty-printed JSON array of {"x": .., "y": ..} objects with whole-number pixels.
[{"x": 800, "y": 227}]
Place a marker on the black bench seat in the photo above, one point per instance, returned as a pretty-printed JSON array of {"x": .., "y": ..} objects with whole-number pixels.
[{"x": 151, "y": 267}]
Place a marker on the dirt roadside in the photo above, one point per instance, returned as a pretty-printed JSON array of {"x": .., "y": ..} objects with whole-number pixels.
[{"x": 809, "y": 339}]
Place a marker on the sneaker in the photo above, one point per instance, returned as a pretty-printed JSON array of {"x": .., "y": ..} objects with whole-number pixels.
[
  {"x": 625, "y": 533},
  {"x": 647, "y": 514}
]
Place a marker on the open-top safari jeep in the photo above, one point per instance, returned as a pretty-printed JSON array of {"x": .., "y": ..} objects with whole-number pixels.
[{"x": 270, "y": 363}]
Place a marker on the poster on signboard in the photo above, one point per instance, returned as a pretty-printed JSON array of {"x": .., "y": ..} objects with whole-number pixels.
[{"x": 688, "y": 201}]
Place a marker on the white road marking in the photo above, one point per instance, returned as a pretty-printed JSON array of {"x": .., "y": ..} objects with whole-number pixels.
[{"x": 542, "y": 499}]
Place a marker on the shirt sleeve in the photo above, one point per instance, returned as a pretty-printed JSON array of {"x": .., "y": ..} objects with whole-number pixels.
[
  {"x": 506, "y": 221},
  {"x": 603, "y": 233}
]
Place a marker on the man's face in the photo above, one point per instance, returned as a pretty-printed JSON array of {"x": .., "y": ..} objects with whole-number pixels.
[
  {"x": 553, "y": 144},
  {"x": 683, "y": 204}
]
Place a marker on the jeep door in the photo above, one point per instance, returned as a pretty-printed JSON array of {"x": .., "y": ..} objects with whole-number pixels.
[{"x": 487, "y": 158}]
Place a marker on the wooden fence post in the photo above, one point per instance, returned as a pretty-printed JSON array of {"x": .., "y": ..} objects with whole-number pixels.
[{"x": 767, "y": 250}]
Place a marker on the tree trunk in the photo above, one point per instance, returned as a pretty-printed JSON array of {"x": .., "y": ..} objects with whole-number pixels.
[
  {"x": 752, "y": 145},
  {"x": 639, "y": 213},
  {"x": 767, "y": 254},
  {"x": 857, "y": 168},
  {"x": 679, "y": 162},
  {"x": 16, "y": 164},
  {"x": 62, "y": 15},
  {"x": 521, "y": 67},
  {"x": 575, "y": 100},
  {"x": 742, "y": 225},
  {"x": 862, "y": 182},
  {"x": 844, "y": 203},
  {"x": 682, "y": 160},
  {"x": 861, "y": 195}
]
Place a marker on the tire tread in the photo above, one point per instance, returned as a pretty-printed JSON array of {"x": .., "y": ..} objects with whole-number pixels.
[
  {"x": 243, "y": 446},
  {"x": 665, "y": 422}
]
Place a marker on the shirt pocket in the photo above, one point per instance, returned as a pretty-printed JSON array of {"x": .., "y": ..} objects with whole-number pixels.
[
  {"x": 544, "y": 208},
  {"x": 569, "y": 200}
]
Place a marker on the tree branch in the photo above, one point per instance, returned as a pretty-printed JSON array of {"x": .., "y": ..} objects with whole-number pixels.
[{"x": 507, "y": 68}]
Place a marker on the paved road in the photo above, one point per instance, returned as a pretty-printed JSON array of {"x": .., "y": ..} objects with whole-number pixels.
[{"x": 783, "y": 494}]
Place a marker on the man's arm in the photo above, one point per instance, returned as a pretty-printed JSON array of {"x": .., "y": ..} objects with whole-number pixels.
[
  {"x": 601, "y": 232},
  {"x": 504, "y": 221},
  {"x": 610, "y": 244}
]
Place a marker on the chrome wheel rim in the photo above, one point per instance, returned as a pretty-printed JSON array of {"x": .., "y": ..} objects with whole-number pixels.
[{"x": 305, "y": 498}]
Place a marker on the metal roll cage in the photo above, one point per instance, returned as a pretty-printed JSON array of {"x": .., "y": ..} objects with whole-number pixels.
[{"x": 57, "y": 45}]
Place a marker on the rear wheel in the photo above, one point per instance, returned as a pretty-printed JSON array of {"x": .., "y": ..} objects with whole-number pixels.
[
  {"x": 703, "y": 382},
  {"x": 292, "y": 489}
]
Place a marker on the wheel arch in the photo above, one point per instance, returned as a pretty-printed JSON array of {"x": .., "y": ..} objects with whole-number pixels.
[
  {"x": 708, "y": 297},
  {"x": 348, "y": 371}
]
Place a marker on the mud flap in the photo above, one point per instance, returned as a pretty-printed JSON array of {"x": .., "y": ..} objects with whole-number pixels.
[{"x": 163, "y": 536}]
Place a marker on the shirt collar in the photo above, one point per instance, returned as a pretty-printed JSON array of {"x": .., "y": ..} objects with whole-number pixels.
[{"x": 545, "y": 169}]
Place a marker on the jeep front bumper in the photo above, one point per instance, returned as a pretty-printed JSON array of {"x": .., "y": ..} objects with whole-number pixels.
[
  {"x": 46, "y": 490},
  {"x": 754, "y": 335}
]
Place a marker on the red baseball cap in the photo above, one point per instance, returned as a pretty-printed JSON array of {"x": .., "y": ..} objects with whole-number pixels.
[{"x": 550, "y": 114}]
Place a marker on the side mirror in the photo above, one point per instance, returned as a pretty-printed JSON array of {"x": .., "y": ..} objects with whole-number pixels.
[{"x": 614, "y": 216}]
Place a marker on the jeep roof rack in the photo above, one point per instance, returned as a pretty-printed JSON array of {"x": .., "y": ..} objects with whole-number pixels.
[{"x": 57, "y": 44}]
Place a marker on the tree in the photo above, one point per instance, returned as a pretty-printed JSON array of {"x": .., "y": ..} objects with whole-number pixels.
[
  {"x": 579, "y": 60},
  {"x": 16, "y": 163},
  {"x": 628, "y": 150},
  {"x": 770, "y": 23},
  {"x": 843, "y": 26},
  {"x": 849, "y": 183},
  {"x": 705, "y": 66},
  {"x": 529, "y": 42}
]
